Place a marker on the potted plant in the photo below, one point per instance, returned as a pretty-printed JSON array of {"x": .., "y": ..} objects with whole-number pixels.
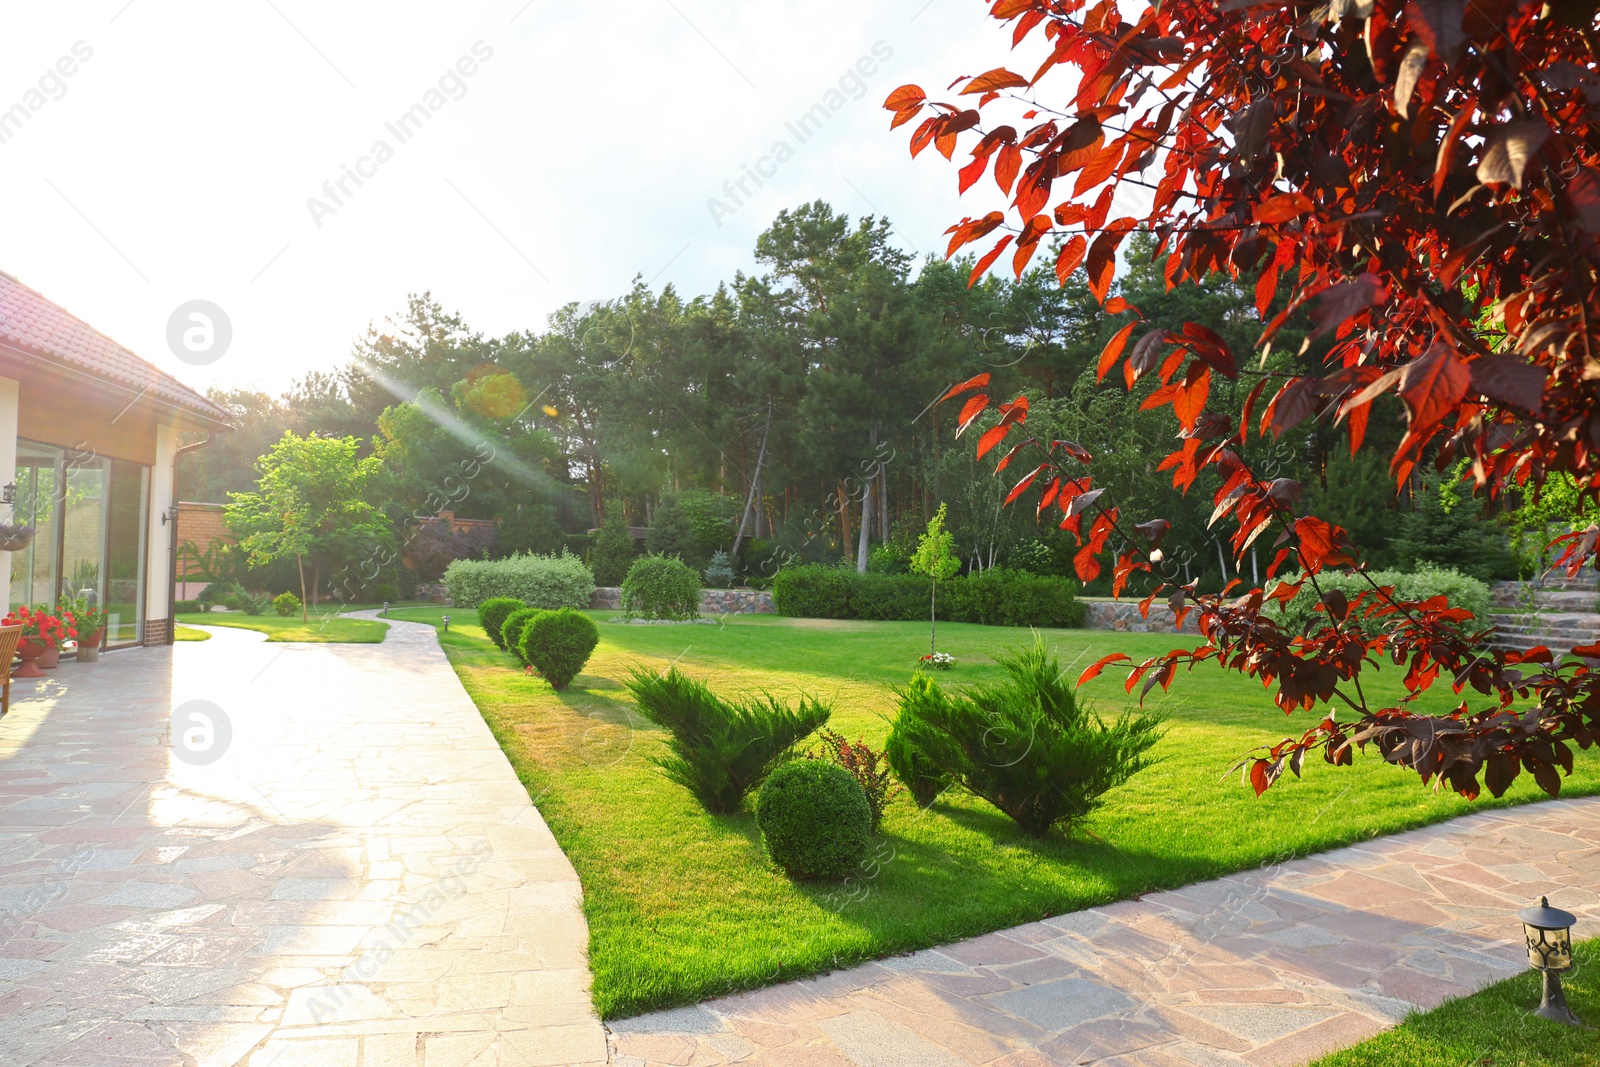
[
  {"x": 86, "y": 621},
  {"x": 33, "y": 642},
  {"x": 15, "y": 536},
  {"x": 55, "y": 632}
]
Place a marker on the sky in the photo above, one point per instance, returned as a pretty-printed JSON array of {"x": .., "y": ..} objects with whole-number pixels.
[{"x": 174, "y": 152}]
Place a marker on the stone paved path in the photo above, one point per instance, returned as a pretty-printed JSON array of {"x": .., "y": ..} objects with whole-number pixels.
[
  {"x": 1274, "y": 966},
  {"x": 358, "y": 881}
]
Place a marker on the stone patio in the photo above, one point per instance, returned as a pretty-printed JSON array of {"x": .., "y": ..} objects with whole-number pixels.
[
  {"x": 357, "y": 879},
  {"x": 1274, "y": 966}
]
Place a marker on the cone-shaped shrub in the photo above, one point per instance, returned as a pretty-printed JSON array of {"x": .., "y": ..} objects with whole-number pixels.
[
  {"x": 814, "y": 819},
  {"x": 721, "y": 749},
  {"x": 511, "y": 630},
  {"x": 910, "y": 764},
  {"x": 1025, "y": 744},
  {"x": 557, "y": 644},
  {"x": 492, "y": 613}
]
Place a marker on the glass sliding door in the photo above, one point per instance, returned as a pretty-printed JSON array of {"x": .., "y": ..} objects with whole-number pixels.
[
  {"x": 125, "y": 552},
  {"x": 88, "y": 513},
  {"x": 34, "y": 570}
]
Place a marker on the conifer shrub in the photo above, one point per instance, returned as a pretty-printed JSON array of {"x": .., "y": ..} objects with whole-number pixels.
[
  {"x": 492, "y": 613},
  {"x": 511, "y": 630},
  {"x": 721, "y": 749}
]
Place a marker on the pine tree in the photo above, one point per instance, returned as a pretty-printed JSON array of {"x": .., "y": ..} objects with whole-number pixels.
[{"x": 612, "y": 553}]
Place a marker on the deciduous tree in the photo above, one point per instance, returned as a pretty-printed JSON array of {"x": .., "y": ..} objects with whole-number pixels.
[{"x": 1424, "y": 179}]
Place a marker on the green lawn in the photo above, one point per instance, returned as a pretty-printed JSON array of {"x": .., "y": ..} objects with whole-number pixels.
[
  {"x": 326, "y": 626},
  {"x": 1492, "y": 1027},
  {"x": 682, "y": 905},
  {"x": 189, "y": 633}
]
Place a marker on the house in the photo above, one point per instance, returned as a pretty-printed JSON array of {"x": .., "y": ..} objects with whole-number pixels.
[{"x": 89, "y": 437}]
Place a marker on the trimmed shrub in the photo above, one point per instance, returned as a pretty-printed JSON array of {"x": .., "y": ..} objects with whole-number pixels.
[
  {"x": 286, "y": 604},
  {"x": 557, "y": 644},
  {"x": 1424, "y": 582},
  {"x": 613, "y": 548},
  {"x": 190, "y": 605},
  {"x": 511, "y": 630},
  {"x": 1025, "y": 744},
  {"x": 555, "y": 581},
  {"x": 661, "y": 587},
  {"x": 910, "y": 764},
  {"x": 870, "y": 769},
  {"x": 255, "y": 603},
  {"x": 492, "y": 613},
  {"x": 996, "y": 597},
  {"x": 719, "y": 575},
  {"x": 721, "y": 749},
  {"x": 813, "y": 592},
  {"x": 814, "y": 819}
]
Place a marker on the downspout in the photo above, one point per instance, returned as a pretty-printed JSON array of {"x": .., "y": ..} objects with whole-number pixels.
[{"x": 172, "y": 539}]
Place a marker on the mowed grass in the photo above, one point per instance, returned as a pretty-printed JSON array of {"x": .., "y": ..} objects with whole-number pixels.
[
  {"x": 682, "y": 905},
  {"x": 322, "y": 626},
  {"x": 189, "y": 633},
  {"x": 1493, "y": 1027}
]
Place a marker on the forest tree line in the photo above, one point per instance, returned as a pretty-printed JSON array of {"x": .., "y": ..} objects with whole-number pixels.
[{"x": 791, "y": 415}]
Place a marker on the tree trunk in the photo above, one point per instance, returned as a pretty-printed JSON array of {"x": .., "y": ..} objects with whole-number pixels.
[
  {"x": 753, "y": 497},
  {"x": 883, "y": 504},
  {"x": 863, "y": 549},
  {"x": 300, "y": 561},
  {"x": 933, "y": 620},
  {"x": 844, "y": 520}
]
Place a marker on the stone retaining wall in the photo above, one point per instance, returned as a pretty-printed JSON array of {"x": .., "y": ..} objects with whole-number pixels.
[
  {"x": 712, "y": 601},
  {"x": 1124, "y": 615}
]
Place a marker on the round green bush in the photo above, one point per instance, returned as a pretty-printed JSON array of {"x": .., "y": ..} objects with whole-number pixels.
[
  {"x": 511, "y": 629},
  {"x": 814, "y": 819},
  {"x": 286, "y": 604},
  {"x": 492, "y": 613},
  {"x": 557, "y": 644},
  {"x": 661, "y": 587}
]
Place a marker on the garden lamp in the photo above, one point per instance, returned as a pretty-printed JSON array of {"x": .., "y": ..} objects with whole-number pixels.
[
  {"x": 8, "y": 494},
  {"x": 386, "y": 608},
  {"x": 446, "y": 619},
  {"x": 1549, "y": 933}
]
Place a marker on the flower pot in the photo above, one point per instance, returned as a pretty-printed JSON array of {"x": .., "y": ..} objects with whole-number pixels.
[
  {"x": 15, "y": 542},
  {"x": 89, "y": 647},
  {"x": 50, "y": 658},
  {"x": 29, "y": 650}
]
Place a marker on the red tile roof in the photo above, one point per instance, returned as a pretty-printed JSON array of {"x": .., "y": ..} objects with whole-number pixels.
[{"x": 35, "y": 326}]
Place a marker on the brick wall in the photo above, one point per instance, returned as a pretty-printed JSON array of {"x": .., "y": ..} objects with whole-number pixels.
[{"x": 202, "y": 525}]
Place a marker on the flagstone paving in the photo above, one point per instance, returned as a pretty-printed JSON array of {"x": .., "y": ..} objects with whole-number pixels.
[
  {"x": 1273, "y": 966},
  {"x": 357, "y": 880}
]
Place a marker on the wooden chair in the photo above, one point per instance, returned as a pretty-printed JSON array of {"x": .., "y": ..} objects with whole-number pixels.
[{"x": 9, "y": 638}]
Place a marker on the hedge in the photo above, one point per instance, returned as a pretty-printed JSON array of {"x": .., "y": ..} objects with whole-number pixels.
[
  {"x": 995, "y": 597},
  {"x": 548, "y": 582},
  {"x": 1426, "y": 581}
]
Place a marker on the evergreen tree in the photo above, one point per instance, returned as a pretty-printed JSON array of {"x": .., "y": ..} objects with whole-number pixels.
[
  {"x": 671, "y": 533},
  {"x": 612, "y": 553}
]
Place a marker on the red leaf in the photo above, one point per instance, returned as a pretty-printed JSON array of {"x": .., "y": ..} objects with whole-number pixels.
[
  {"x": 992, "y": 437},
  {"x": 1282, "y": 208},
  {"x": 998, "y": 78},
  {"x": 1432, "y": 385},
  {"x": 1006, "y": 165},
  {"x": 977, "y": 381},
  {"x": 1505, "y": 378},
  {"x": 1093, "y": 670},
  {"x": 1071, "y": 255},
  {"x": 904, "y": 97},
  {"x": 1027, "y": 480},
  {"x": 1266, "y": 289},
  {"x": 1113, "y": 350},
  {"x": 971, "y": 410},
  {"x": 1103, "y": 264},
  {"x": 988, "y": 260},
  {"x": 1339, "y": 303}
]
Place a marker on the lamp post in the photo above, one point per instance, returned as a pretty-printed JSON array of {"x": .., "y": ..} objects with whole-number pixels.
[
  {"x": 386, "y": 609},
  {"x": 1549, "y": 934},
  {"x": 446, "y": 619}
]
